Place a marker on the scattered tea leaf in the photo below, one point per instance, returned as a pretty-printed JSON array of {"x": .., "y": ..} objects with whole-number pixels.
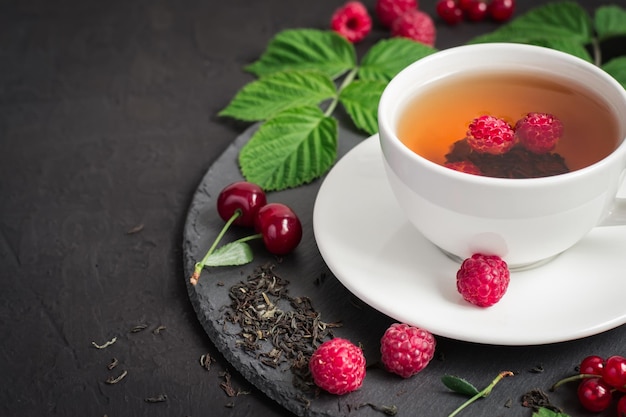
[
  {"x": 114, "y": 362},
  {"x": 135, "y": 229},
  {"x": 105, "y": 345},
  {"x": 205, "y": 361},
  {"x": 139, "y": 328},
  {"x": 115, "y": 380},
  {"x": 159, "y": 329},
  {"x": 156, "y": 399}
]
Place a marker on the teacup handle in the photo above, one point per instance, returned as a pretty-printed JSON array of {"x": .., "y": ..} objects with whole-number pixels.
[{"x": 617, "y": 215}]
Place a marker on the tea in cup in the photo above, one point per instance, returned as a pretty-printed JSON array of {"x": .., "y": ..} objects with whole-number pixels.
[{"x": 424, "y": 117}]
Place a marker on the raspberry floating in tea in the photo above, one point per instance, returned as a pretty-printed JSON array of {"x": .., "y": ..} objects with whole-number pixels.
[
  {"x": 493, "y": 148},
  {"x": 539, "y": 132},
  {"x": 489, "y": 134}
]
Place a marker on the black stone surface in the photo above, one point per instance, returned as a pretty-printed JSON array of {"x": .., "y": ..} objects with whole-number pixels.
[{"x": 107, "y": 127}]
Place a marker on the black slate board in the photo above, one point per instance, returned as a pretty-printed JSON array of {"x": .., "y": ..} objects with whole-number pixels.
[{"x": 309, "y": 276}]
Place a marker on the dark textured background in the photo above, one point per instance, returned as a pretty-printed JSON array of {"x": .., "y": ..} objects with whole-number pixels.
[{"x": 108, "y": 122}]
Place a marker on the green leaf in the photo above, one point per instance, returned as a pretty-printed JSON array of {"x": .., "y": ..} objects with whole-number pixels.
[
  {"x": 545, "y": 412},
  {"x": 559, "y": 20},
  {"x": 263, "y": 98},
  {"x": 617, "y": 68},
  {"x": 459, "y": 385},
  {"x": 306, "y": 49},
  {"x": 565, "y": 45},
  {"x": 230, "y": 254},
  {"x": 360, "y": 99},
  {"x": 610, "y": 21},
  {"x": 389, "y": 56},
  {"x": 291, "y": 149}
]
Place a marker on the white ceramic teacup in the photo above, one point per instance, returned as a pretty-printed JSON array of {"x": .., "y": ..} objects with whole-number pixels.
[{"x": 525, "y": 221}]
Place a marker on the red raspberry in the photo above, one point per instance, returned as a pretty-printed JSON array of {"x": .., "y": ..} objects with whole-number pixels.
[
  {"x": 539, "y": 132},
  {"x": 389, "y": 10},
  {"x": 352, "y": 21},
  {"x": 483, "y": 279},
  {"x": 338, "y": 366},
  {"x": 489, "y": 134},
  {"x": 464, "y": 166},
  {"x": 406, "y": 350},
  {"x": 416, "y": 25}
]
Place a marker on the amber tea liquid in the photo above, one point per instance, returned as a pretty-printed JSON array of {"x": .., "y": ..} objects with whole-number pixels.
[{"x": 441, "y": 114}]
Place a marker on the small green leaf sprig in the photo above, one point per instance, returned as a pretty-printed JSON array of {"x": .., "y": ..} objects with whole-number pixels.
[
  {"x": 464, "y": 387},
  {"x": 304, "y": 74}
]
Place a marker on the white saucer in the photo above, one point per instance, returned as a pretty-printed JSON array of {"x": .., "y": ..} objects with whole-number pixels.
[{"x": 369, "y": 245}]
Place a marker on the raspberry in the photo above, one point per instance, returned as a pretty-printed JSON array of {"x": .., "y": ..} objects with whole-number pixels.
[
  {"x": 406, "y": 350},
  {"x": 416, "y": 25},
  {"x": 338, "y": 366},
  {"x": 389, "y": 10},
  {"x": 483, "y": 279},
  {"x": 352, "y": 21},
  {"x": 489, "y": 134},
  {"x": 539, "y": 132},
  {"x": 464, "y": 166}
]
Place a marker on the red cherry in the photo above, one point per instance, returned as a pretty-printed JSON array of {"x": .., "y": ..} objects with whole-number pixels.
[
  {"x": 592, "y": 365},
  {"x": 501, "y": 10},
  {"x": 476, "y": 10},
  {"x": 621, "y": 406},
  {"x": 614, "y": 372},
  {"x": 465, "y": 4},
  {"x": 449, "y": 11},
  {"x": 244, "y": 196},
  {"x": 280, "y": 227},
  {"x": 594, "y": 394}
]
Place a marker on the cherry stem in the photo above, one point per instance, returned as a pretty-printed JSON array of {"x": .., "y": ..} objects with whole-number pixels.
[
  {"x": 247, "y": 238},
  {"x": 200, "y": 265},
  {"x": 573, "y": 378},
  {"x": 485, "y": 392}
]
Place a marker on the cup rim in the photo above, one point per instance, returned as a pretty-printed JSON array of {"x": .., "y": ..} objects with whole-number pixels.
[{"x": 385, "y": 122}]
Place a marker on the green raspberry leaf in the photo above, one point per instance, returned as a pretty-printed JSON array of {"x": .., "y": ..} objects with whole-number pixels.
[
  {"x": 617, "y": 68},
  {"x": 459, "y": 385},
  {"x": 565, "y": 45},
  {"x": 553, "y": 21},
  {"x": 290, "y": 149},
  {"x": 306, "y": 49},
  {"x": 360, "y": 99},
  {"x": 267, "y": 96},
  {"x": 610, "y": 21},
  {"x": 389, "y": 56},
  {"x": 231, "y": 254}
]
